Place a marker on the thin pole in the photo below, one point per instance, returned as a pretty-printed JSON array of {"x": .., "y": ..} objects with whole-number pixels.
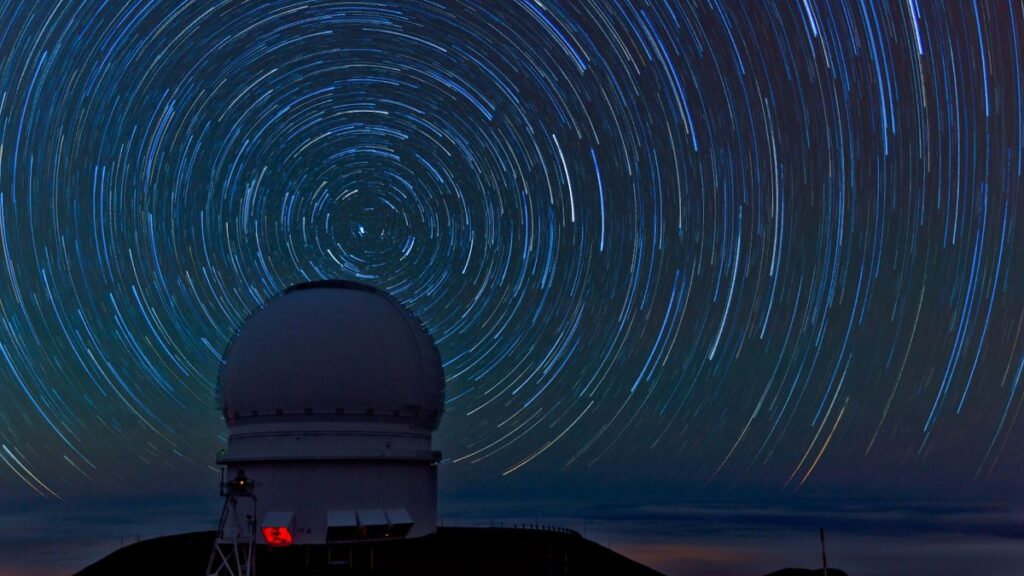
[{"x": 824, "y": 559}]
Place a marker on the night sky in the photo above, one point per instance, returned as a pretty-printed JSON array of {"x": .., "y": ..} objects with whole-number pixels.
[{"x": 710, "y": 248}]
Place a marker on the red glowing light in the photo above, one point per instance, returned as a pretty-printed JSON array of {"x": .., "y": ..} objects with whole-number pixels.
[{"x": 277, "y": 535}]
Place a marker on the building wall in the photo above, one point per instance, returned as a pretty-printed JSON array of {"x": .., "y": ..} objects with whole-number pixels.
[{"x": 309, "y": 489}]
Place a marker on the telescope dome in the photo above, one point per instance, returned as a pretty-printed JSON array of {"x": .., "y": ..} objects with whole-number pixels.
[{"x": 332, "y": 350}]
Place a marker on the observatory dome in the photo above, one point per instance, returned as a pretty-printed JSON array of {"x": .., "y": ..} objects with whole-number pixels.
[{"x": 332, "y": 350}]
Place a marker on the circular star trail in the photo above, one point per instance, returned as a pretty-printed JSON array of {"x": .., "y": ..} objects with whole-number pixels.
[{"x": 709, "y": 243}]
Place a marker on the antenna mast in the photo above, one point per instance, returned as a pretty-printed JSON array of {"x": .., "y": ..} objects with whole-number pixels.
[{"x": 824, "y": 560}]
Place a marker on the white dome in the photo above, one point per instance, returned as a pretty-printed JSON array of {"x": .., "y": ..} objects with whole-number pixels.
[{"x": 335, "y": 351}]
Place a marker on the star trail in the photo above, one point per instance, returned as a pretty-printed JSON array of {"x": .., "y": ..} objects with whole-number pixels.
[{"x": 711, "y": 243}]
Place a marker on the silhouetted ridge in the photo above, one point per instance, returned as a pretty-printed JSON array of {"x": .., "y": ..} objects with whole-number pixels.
[
  {"x": 449, "y": 551},
  {"x": 806, "y": 572}
]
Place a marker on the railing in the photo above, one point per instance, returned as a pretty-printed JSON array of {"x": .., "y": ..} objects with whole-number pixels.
[
  {"x": 532, "y": 527},
  {"x": 544, "y": 528}
]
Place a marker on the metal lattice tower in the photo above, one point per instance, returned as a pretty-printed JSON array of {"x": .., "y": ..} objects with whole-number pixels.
[{"x": 234, "y": 551}]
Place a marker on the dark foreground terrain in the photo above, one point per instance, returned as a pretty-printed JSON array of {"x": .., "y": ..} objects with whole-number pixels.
[
  {"x": 451, "y": 551},
  {"x": 805, "y": 572}
]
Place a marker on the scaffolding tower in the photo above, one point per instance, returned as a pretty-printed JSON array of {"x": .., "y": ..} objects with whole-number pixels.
[{"x": 234, "y": 550}]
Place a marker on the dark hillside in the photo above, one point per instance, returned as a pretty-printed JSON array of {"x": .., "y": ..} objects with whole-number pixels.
[{"x": 451, "y": 551}]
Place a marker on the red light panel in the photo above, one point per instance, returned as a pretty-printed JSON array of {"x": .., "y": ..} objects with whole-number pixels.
[{"x": 277, "y": 535}]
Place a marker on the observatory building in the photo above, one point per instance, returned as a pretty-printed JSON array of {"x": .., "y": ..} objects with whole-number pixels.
[{"x": 331, "y": 391}]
